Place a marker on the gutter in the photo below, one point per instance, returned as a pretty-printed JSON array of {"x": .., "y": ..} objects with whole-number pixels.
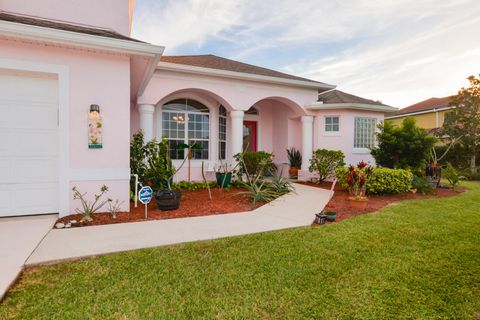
[
  {"x": 419, "y": 112},
  {"x": 355, "y": 106},
  {"x": 36, "y": 33}
]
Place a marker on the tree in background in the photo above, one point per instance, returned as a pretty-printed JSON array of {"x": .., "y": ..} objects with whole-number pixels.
[
  {"x": 404, "y": 146},
  {"x": 463, "y": 122}
]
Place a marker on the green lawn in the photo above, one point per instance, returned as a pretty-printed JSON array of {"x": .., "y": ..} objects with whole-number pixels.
[{"x": 416, "y": 260}]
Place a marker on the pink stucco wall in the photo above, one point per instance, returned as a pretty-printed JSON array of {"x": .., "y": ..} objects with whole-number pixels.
[
  {"x": 344, "y": 139},
  {"x": 94, "y": 78},
  {"x": 108, "y": 14}
]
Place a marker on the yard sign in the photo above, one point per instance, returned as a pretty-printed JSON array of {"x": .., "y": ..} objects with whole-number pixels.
[{"x": 145, "y": 196}]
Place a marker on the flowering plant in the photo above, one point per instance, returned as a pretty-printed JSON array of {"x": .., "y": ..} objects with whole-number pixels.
[{"x": 357, "y": 179}]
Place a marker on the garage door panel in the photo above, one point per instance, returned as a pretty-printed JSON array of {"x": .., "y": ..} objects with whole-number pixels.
[
  {"x": 28, "y": 144},
  {"x": 35, "y": 170},
  {"x": 35, "y": 144}
]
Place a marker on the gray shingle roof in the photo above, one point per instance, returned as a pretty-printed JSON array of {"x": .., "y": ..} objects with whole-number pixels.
[
  {"x": 52, "y": 24},
  {"x": 337, "y": 96},
  {"x": 214, "y": 62}
]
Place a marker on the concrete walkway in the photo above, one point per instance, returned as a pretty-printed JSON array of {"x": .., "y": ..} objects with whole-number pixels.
[
  {"x": 18, "y": 238},
  {"x": 292, "y": 210}
]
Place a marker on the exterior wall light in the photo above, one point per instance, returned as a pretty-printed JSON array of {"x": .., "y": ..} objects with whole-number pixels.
[{"x": 94, "y": 127}]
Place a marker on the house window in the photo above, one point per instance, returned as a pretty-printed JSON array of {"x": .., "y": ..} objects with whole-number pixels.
[
  {"x": 222, "y": 133},
  {"x": 364, "y": 133},
  {"x": 332, "y": 124},
  {"x": 186, "y": 121}
]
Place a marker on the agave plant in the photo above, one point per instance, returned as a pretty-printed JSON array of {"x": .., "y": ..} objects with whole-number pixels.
[{"x": 294, "y": 157}]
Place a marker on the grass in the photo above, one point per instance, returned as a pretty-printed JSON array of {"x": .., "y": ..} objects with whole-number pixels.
[{"x": 416, "y": 260}]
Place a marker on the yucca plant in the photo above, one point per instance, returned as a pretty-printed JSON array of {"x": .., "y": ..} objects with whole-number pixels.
[{"x": 294, "y": 157}]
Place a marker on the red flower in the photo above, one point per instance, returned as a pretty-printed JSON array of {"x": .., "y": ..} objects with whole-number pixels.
[{"x": 362, "y": 164}]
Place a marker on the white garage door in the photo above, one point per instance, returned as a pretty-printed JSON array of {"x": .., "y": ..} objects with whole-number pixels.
[{"x": 28, "y": 144}]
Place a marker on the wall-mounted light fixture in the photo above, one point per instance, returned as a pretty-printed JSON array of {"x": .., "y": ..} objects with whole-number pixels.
[{"x": 94, "y": 127}]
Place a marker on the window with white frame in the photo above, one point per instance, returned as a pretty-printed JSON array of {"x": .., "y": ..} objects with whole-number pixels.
[
  {"x": 332, "y": 124},
  {"x": 364, "y": 133},
  {"x": 186, "y": 121},
  {"x": 222, "y": 133}
]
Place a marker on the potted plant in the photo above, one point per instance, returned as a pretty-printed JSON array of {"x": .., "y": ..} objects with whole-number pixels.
[
  {"x": 357, "y": 179},
  {"x": 295, "y": 160},
  {"x": 161, "y": 172},
  {"x": 223, "y": 174},
  {"x": 330, "y": 215}
]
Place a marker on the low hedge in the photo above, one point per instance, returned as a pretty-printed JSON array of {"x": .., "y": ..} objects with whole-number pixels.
[{"x": 382, "y": 180}]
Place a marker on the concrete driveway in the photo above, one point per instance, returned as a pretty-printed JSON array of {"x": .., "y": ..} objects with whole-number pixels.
[{"x": 19, "y": 236}]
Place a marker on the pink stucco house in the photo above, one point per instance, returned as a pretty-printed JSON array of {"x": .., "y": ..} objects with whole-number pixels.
[{"x": 58, "y": 58}]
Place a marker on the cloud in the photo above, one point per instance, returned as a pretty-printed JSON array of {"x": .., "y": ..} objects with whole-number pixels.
[{"x": 398, "y": 51}]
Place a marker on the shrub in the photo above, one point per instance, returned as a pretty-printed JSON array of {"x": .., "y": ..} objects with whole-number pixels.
[
  {"x": 324, "y": 162},
  {"x": 138, "y": 165},
  {"x": 253, "y": 163},
  {"x": 402, "y": 147},
  {"x": 421, "y": 184},
  {"x": 381, "y": 181},
  {"x": 452, "y": 175}
]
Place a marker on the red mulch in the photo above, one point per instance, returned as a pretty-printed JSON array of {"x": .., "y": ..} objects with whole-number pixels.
[
  {"x": 340, "y": 204},
  {"x": 192, "y": 204}
]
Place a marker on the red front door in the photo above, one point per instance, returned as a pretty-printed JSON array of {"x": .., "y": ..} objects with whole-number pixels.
[{"x": 249, "y": 136}]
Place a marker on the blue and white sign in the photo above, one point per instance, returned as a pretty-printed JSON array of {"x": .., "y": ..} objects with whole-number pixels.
[{"x": 145, "y": 194}]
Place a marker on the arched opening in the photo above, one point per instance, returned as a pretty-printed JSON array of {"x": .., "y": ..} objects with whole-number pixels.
[{"x": 186, "y": 121}]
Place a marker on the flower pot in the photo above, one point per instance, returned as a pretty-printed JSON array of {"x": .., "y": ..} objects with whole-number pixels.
[
  {"x": 331, "y": 217},
  {"x": 168, "y": 199},
  {"x": 223, "y": 179},
  {"x": 360, "y": 204},
  {"x": 293, "y": 172}
]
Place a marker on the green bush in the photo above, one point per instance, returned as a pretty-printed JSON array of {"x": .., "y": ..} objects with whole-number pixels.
[
  {"x": 421, "y": 184},
  {"x": 253, "y": 162},
  {"x": 382, "y": 180},
  {"x": 324, "y": 162},
  {"x": 452, "y": 175}
]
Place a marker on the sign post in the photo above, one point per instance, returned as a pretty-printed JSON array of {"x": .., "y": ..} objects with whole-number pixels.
[{"x": 145, "y": 196}]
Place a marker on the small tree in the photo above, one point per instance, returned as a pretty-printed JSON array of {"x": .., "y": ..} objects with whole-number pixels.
[
  {"x": 404, "y": 146},
  {"x": 451, "y": 175},
  {"x": 463, "y": 122},
  {"x": 324, "y": 162}
]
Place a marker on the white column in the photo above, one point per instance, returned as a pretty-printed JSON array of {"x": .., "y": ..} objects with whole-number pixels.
[
  {"x": 146, "y": 120},
  {"x": 237, "y": 131},
  {"x": 307, "y": 141}
]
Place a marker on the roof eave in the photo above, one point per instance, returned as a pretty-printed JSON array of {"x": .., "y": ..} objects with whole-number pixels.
[
  {"x": 38, "y": 33},
  {"x": 168, "y": 66},
  {"x": 418, "y": 112},
  {"x": 353, "y": 106}
]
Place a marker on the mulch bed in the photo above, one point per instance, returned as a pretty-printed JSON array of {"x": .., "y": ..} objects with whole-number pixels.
[
  {"x": 340, "y": 204},
  {"x": 193, "y": 203}
]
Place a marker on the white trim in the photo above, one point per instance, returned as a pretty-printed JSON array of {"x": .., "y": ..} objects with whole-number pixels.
[
  {"x": 360, "y": 151},
  {"x": 99, "y": 174},
  {"x": 331, "y": 133},
  {"x": 354, "y": 106},
  {"x": 152, "y": 66},
  {"x": 419, "y": 112},
  {"x": 64, "y": 120},
  {"x": 37, "y": 33},
  {"x": 168, "y": 66}
]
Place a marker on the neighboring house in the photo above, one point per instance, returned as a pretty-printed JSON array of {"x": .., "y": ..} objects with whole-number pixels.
[
  {"x": 64, "y": 63},
  {"x": 429, "y": 114}
]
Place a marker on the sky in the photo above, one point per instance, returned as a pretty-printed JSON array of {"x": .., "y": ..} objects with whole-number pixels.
[{"x": 397, "y": 51}]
